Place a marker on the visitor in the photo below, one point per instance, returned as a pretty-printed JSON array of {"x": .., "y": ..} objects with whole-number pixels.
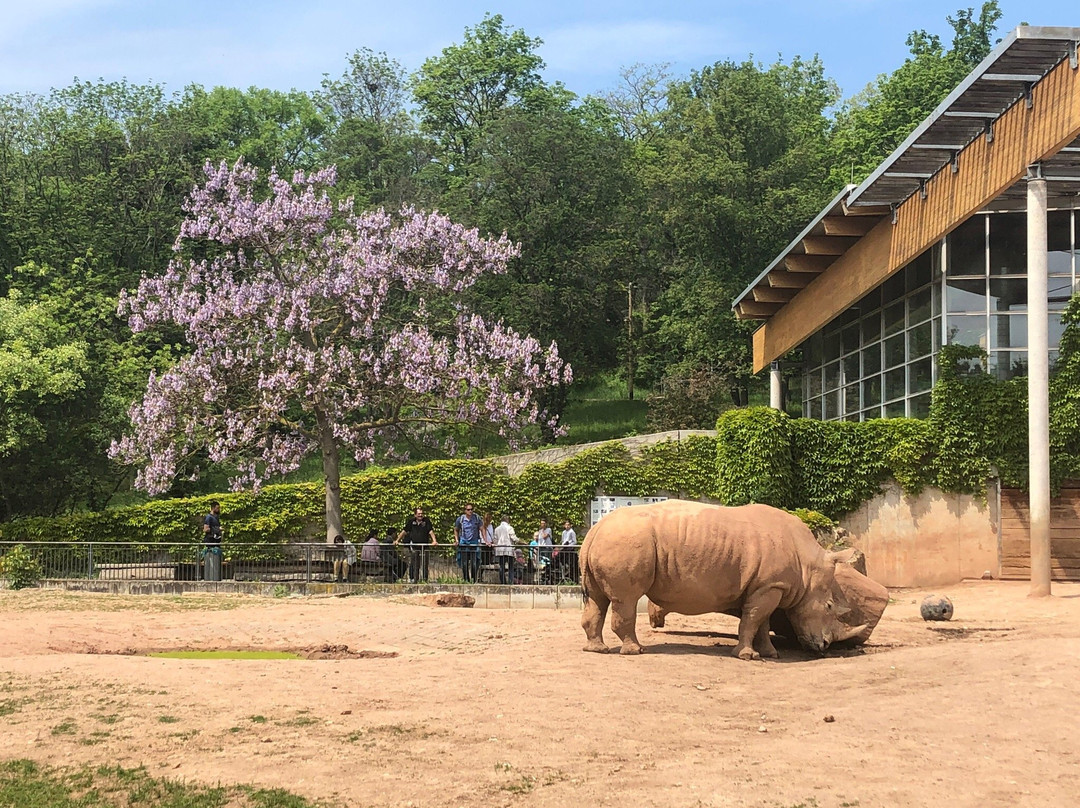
[
  {"x": 343, "y": 565},
  {"x": 467, "y": 529},
  {"x": 421, "y": 535},
  {"x": 211, "y": 552},
  {"x": 394, "y": 566},
  {"x": 505, "y": 539},
  {"x": 568, "y": 562},
  {"x": 487, "y": 540},
  {"x": 370, "y": 557},
  {"x": 543, "y": 538}
]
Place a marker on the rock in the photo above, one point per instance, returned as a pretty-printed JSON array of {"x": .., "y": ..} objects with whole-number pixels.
[
  {"x": 763, "y": 728},
  {"x": 829, "y": 718},
  {"x": 988, "y": 576},
  {"x": 454, "y": 599},
  {"x": 936, "y": 607}
]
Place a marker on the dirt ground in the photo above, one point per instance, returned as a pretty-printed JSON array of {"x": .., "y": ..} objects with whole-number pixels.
[{"x": 502, "y": 708}]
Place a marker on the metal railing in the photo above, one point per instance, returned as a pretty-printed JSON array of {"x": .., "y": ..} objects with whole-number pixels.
[{"x": 301, "y": 562}]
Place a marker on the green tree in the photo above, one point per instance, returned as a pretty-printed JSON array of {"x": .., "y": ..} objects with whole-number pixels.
[
  {"x": 460, "y": 91},
  {"x": 872, "y": 124}
]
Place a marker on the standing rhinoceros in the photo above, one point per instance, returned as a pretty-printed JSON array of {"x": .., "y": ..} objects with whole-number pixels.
[{"x": 693, "y": 559}]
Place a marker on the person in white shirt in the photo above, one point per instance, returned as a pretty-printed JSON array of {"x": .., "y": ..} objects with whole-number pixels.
[
  {"x": 344, "y": 564},
  {"x": 569, "y": 537},
  {"x": 505, "y": 538}
]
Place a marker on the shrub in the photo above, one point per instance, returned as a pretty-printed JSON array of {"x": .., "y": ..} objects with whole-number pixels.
[{"x": 20, "y": 568}]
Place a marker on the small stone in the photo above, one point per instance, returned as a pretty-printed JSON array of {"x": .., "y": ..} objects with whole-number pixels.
[
  {"x": 829, "y": 718},
  {"x": 988, "y": 576},
  {"x": 763, "y": 728},
  {"x": 346, "y": 712},
  {"x": 701, "y": 687},
  {"x": 936, "y": 607}
]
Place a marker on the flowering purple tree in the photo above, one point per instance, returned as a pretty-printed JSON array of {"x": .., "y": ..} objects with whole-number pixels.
[{"x": 315, "y": 327}]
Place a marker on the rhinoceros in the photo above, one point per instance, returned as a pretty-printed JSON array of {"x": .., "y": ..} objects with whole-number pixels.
[{"x": 693, "y": 558}]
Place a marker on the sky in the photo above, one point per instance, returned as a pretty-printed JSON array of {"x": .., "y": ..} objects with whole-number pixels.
[{"x": 286, "y": 44}]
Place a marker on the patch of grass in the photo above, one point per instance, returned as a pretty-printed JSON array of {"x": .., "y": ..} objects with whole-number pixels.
[
  {"x": 11, "y": 706},
  {"x": 25, "y": 784},
  {"x": 222, "y": 654},
  {"x": 108, "y": 720},
  {"x": 592, "y": 420},
  {"x": 167, "y": 719},
  {"x": 300, "y": 721},
  {"x": 257, "y": 719},
  {"x": 523, "y": 785},
  {"x": 64, "y": 728}
]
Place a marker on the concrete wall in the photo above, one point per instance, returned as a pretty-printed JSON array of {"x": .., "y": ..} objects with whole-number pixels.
[
  {"x": 516, "y": 463},
  {"x": 931, "y": 539}
]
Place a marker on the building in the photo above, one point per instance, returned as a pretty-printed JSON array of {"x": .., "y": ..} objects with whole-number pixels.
[{"x": 946, "y": 242}]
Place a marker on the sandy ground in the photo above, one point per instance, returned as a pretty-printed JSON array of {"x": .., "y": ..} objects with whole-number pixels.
[{"x": 502, "y": 707}]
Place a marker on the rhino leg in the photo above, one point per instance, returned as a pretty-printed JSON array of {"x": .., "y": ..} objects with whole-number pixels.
[
  {"x": 624, "y": 624},
  {"x": 763, "y": 643},
  {"x": 656, "y": 615},
  {"x": 592, "y": 620},
  {"x": 756, "y": 610}
]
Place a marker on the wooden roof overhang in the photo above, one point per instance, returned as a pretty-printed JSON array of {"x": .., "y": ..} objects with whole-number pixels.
[{"x": 1020, "y": 106}]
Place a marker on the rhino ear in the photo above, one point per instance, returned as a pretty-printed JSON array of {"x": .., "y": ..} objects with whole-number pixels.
[{"x": 841, "y": 556}]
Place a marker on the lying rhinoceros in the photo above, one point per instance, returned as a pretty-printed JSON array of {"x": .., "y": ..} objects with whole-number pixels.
[{"x": 693, "y": 558}]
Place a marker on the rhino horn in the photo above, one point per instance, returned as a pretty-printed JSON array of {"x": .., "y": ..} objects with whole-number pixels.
[{"x": 848, "y": 632}]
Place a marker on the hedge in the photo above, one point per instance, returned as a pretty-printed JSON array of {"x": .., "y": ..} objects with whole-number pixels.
[{"x": 386, "y": 497}]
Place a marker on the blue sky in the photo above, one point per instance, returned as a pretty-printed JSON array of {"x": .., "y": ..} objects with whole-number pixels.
[{"x": 281, "y": 45}]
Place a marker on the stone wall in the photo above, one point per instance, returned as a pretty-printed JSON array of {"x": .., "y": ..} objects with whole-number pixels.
[
  {"x": 931, "y": 539},
  {"x": 516, "y": 463}
]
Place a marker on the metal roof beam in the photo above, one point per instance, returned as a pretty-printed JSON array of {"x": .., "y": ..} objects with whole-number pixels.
[
  {"x": 949, "y": 147},
  {"x": 1018, "y": 77},
  {"x": 965, "y": 113},
  {"x": 908, "y": 175}
]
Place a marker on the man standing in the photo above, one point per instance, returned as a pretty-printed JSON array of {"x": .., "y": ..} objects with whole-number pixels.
[
  {"x": 212, "y": 543},
  {"x": 421, "y": 535},
  {"x": 467, "y": 529},
  {"x": 505, "y": 539}
]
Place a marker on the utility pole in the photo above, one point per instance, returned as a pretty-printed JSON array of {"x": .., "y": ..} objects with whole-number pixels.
[{"x": 630, "y": 340}]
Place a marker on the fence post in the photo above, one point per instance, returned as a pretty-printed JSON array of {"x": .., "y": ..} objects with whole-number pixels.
[
  {"x": 90, "y": 561},
  {"x": 307, "y": 556}
]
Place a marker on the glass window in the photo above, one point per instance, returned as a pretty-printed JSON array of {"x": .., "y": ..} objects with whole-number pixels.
[
  {"x": 1056, "y": 328},
  {"x": 832, "y": 405},
  {"x": 873, "y": 412},
  {"x": 966, "y": 248},
  {"x": 1008, "y": 244},
  {"x": 1008, "y": 294},
  {"x": 919, "y": 306},
  {"x": 851, "y": 399},
  {"x": 849, "y": 338},
  {"x": 894, "y": 351},
  {"x": 1058, "y": 292},
  {"x": 851, "y": 367},
  {"x": 871, "y": 391},
  {"x": 832, "y": 376},
  {"x": 871, "y": 302},
  {"x": 893, "y": 288},
  {"x": 847, "y": 316},
  {"x": 935, "y": 326},
  {"x": 831, "y": 347},
  {"x": 813, "y": 383},
  {"x": 920, "y": 340},
  {"x": 894, "y": 318},
  {"x": 871, "y": 328},
  {"x": 920, "y": 406},
  {"x": 871, "y": 359},
  {"x": 813, "y": 408},
  {"x": 1008, "y": 364},
  {"x": 1058, "y": 242},
  {"x": 965, "y": 295},
  {"x": 895, "y": 384},
  {"x": 895, "y": 410},
  {"x": 852, "y": 417},
  {"x": 1008, "y": 331},
  {"x": 812, "y": 350},
  {"x": 920, "y": 375},
  {"x": 920, "y": 271},
  {"x": 966, "y": 329}
]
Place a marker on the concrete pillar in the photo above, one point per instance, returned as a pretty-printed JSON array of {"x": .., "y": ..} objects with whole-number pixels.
[
  {"x": 1038, "y": 384},
  {"x": 775, "y": 400}
]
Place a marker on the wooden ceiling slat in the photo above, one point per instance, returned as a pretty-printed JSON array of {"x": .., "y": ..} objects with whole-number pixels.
[
  {"x": 808, "y": 263},
  {"x": 789, "y": 280}
]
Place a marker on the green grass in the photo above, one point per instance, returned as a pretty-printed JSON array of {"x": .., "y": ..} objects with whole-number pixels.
[
  {"x": 25, "y": 784},
  {"x": 591, "y": 420},
  {"x": 226, "y": 655}
]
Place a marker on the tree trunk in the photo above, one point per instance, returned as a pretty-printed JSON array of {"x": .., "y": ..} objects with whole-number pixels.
[{"x": 331, "y": 463}]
